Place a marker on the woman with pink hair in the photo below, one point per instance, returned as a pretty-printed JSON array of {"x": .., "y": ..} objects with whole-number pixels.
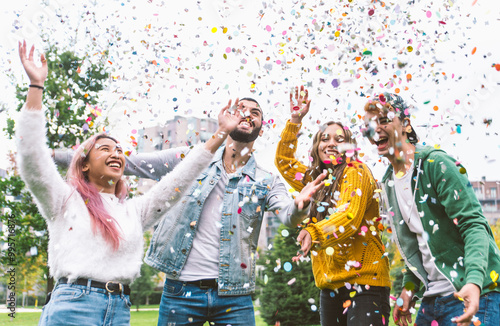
[{"x": 96, "y": 236}]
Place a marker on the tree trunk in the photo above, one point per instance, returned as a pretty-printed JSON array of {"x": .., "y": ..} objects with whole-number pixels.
[{"x": 50, "y": 286}]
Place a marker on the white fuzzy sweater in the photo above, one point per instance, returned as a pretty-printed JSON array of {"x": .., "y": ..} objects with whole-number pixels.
[{"x": 75, "y": 251}]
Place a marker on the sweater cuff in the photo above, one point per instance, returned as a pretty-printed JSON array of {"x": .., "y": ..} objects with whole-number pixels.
[
  {"x": 315, "y": 232},
  {"x": 475, "y": 277},
  {"x": 292, "y": 127},
  {"x": 201, "y": 154}
]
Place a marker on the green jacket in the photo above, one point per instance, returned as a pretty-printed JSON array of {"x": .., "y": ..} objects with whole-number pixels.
[{"x": 459, "y": 236}]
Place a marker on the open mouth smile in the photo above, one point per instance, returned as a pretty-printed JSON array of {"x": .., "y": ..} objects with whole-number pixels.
[
  {"x": 114, "y": 164},
  {"x": 381, "y": 142}
]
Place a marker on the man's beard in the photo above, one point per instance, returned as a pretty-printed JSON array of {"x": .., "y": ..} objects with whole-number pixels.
[{"x": 245, "y": 137}]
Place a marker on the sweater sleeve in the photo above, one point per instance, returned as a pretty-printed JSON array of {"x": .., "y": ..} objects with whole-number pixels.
[
  {"x": 279, "y": 203},
  {"x": 144, "y": 165},
  {"x": 356, "y": 190},
  {"x": 461, "y": 204},
  {"x": 285, "y": 160},
  {"x": 36, "y": 166},
  {"x": 171, "y": 188},
  {"x": 156, "y": 164}
]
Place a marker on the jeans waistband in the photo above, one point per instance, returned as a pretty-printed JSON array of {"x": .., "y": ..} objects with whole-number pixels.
[
  {"x": 205, "y": 284},
  {"x": 110, "y": 287}
]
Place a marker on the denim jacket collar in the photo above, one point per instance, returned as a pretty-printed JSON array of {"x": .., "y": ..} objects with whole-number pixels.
[{"x": 248, "y": 169}]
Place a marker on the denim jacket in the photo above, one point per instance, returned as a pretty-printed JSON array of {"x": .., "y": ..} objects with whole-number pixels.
[{"x": 249, "y": 193}]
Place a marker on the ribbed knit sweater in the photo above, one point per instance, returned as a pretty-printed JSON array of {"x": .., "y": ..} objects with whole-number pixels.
[
  {"x": 75, "y": 251},
  {"x": 350, "y": 249}
]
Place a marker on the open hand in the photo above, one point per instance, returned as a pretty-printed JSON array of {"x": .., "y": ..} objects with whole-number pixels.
[
  {"x": 470, "y": 294},
  {"x": 299, "y": 105},
  {"x": 37, "y": 75},
  {"x": 229, "y": 118},
  {"x": 304, "y": 197},
  {"x": 402, "y": 314}
]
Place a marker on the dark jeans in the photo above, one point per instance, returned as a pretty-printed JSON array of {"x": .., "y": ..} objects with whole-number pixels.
[
  {"x": 368, "y": 307},
  {"x": 443, "y": 309},
  {"x": 184, "y": 304}
]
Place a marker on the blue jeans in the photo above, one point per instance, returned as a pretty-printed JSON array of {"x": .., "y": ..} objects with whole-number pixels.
[
  {"x": 77, "y": 305},
  {"x": 443, "y": 309},
  {"x": 368, "y": 307},
  {"x": 187, "y": 304}
]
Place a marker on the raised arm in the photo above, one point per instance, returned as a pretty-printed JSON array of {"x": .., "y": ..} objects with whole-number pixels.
[
  {"x": 171, "y": 188},
  {"x": 292, "y": 212},
  {"x": 36, "y": 166},
  {"x": 152, "y": 165},
  {"x": 289, "y": 167},
  {"x": 157, "y": 164}
]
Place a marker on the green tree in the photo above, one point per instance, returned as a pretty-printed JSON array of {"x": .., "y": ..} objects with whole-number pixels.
[
  {"x": 144, "y": 285},
  {"x": 496, "y": 231},
  {"x": 287, "y": 296},
  {"x": 70, "y": 96}
]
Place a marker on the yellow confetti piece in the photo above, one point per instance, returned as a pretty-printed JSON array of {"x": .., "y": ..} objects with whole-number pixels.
[
  {"x": 437, "y": 146},
  {"x": 214, "y": 30},
  {"x": 228, "y": 310},
  {"x": 352, "y": 294},
  {"x": 400, "y": 174},
  {"x": 329, "y": 251},
  {"x": 410, "y": 286},
  {"x": 494, "y": 276}
]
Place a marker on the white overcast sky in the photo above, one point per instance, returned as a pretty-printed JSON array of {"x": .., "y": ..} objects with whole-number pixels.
[{"x": 191, "y": 57}]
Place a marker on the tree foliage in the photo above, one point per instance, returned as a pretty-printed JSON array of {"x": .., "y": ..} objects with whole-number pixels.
[
  {"x": 70, "y": 96},
  {"x": 289, "y": 297}
]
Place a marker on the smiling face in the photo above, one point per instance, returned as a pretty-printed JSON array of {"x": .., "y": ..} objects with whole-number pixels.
[
  {"x": 105, "y": 163},
  {"x": 250, "y": 126},
  {"x": 384, "y": 129},
  {"x": 331, "y": 138}
]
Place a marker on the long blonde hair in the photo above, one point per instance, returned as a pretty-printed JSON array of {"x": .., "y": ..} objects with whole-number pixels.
[{"x": 325, "y": 193}]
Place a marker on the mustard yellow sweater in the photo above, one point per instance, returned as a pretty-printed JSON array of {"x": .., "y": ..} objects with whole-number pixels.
[{"x": 349, "y": 249}]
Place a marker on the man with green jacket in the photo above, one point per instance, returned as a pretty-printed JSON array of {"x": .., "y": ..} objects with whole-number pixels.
[{"x": 452, "y": 260}]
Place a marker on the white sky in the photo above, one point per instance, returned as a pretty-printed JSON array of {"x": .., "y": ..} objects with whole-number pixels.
[{"x": 190, "y": 75}]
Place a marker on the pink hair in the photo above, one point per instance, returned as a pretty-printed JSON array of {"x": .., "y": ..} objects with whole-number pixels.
[{"x": 76, "y": 177}]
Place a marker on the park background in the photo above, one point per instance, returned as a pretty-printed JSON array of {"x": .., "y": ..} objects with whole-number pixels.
[{"x": 130, "y": 66}]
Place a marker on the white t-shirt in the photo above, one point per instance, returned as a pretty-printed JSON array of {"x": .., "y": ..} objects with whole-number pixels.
[
  {"x": 438, "y": 283},
  {"x": 203, "y": 259}
]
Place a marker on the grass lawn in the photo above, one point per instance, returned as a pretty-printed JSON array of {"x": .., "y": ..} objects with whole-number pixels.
[{"x": 138, "y": 318}]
